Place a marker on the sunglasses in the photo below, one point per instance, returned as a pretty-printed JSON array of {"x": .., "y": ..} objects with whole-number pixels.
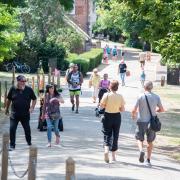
[{"x": 23, "y": 81}]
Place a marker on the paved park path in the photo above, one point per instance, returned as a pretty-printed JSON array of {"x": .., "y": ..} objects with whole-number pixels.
[{"x": 82, "y": 138}]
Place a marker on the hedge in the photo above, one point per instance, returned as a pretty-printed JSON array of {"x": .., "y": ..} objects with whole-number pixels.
[{"x": 87, "y": 61}]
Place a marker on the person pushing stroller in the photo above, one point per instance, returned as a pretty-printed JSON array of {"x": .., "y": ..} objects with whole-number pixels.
[{"x": 103, "y": 88}]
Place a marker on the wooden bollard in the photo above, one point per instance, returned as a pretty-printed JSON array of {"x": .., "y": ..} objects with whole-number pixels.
[
  {"x": 38, "y": 83},
  {"x": 0, "y": 96},
  {"x": 33, "y": 83},
  {"x": 32, "y": 163},
  {"x": 49, "y": 75},
  {"x": 43, "y": 81},
  {"x": 53, "y": 78},
  {"x": 70, "y": 169},
  {"x": 4, "y": 164},
  {"x": 13, "y": 76},
  {"x": 5, "y": 93},
  {"x": 59, "y": 81},
  {"x": 162, "y": 80}
]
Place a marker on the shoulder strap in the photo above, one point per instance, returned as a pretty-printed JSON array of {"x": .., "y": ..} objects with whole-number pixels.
[{"x": 148, "y": 105}]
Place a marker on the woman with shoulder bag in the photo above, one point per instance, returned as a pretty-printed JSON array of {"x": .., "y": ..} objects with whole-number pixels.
[
  {"x": 51, "y": 111},
  {"x": 113, "y": 104}
]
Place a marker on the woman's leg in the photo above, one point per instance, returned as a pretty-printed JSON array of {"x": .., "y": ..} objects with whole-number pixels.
[
  {"x": 107, "y": 130},
  {"x": 49, "y": 129},
  {"x": 115, "y": 131},
  {"x": 56, "y": 130}
]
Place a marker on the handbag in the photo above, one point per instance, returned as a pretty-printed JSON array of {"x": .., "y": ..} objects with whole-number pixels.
[
  {"x": 155, "y": 123},
  {"x": 127, "y": 73}
]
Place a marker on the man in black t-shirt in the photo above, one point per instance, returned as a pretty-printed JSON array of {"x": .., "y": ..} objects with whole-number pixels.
[
  {"x": 122, "y": 70},
  {"x": 20, "y": 98}
]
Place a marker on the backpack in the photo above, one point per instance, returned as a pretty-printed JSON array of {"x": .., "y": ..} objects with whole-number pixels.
[
  {"x": 52, "y": 108},
  {"x": 69, "y": 77}
]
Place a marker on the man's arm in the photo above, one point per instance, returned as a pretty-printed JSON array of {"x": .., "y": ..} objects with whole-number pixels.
[
  {"x": 81, "y": 79},
  {"x": 134, "y": 111},
  {"x": 32, "y": 105},
  {"x": 8, "y": 102}
]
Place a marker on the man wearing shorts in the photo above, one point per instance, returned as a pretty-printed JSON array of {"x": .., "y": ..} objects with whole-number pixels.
[
  {"x": 144, "y": 118},
  {"x": 75, "y": 80}
]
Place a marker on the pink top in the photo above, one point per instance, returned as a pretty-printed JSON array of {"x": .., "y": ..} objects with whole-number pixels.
[{"x": 104, "y": 84}]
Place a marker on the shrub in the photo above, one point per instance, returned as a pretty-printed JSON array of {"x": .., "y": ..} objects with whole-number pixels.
[
  {"x": 86, "y": 61},
  {"x": 83, "y": 64}
]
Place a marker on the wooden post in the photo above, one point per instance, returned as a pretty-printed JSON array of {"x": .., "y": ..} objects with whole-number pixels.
[
  {"x": 33, "y": 83},
  {"x": 13, "y": 76},
  {"x": 53, "y": 78},
  {"x": 70, "y": 169},
  {"x": 43, "y": 81},
  {"x": 32, "y": 163},
  {"x": 49, "y": 76},
  {"x": 38, "y": 83},
  {"x": 5, "y": 93},
  {"x": 4, "y": 164},
  {"x": 0, "y": 96},
  {"x": 59, "y": 81}
]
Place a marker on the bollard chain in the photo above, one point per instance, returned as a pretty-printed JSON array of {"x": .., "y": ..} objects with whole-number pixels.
[{"x": 14, "y": 171}]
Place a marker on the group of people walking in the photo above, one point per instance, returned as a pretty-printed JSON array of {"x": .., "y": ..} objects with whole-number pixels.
[{"x": 23, "y": 101}]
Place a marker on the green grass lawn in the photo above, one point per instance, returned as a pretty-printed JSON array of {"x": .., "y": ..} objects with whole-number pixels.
[{"x": 170, "y": 119}]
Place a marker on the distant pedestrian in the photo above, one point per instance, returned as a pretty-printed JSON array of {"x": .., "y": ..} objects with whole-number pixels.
[
  {"x": 105, "y": 55},
  {"x": 20, "y": 96},
  {"x": 103, "y": 86},
  {"x": 142, "y": 58},
  {"x": 75, "y": 80},
  {"x": 94, "y": 83},
  {"x": 108, "y": 51},
  {"x": 69, "y": 70},
  {"x": 113, "y": 104},
  {"x": 114, "y": 53},
  {"x": 143, "y": 120},
  {"x": 122, "y": 71},
  {"x": 51, "y": 111},
  {"x": 142, "y": 77}
]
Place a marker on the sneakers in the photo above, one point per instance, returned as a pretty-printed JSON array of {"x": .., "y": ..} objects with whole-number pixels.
[
  {"x": 77, "y": 111},
  {"x": 148, "y": 163},
  {"x": 48, "y": 145},
  {"x": 141, "y": 157},
  {"x": 73, "y": 107},
  {"x": 11, "y": 148}
]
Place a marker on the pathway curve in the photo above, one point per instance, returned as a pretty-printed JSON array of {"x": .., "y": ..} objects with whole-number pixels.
[{"x": 82, "y": 139}]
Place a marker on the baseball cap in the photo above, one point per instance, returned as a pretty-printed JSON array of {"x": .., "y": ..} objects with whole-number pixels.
[
  {"x": 21, "y": 78},
  {"x": 71, "y": 64}
]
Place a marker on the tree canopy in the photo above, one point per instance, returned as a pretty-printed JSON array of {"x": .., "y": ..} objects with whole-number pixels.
[{"x": 153, "y": 21}]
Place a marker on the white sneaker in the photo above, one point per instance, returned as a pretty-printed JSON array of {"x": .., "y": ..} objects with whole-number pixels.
[{"x": 148, "y": 163}]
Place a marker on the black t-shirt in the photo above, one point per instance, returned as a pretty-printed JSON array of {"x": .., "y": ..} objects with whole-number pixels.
[
  {"x": 122, "y": 68},
  {"x": 21, "y": 100}
]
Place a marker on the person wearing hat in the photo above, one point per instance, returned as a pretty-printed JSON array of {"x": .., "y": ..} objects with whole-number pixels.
[
  {"x": 23, "y": 101},
  {"x": 94, "y": 82},
  {"x": 71, "y": 65}
]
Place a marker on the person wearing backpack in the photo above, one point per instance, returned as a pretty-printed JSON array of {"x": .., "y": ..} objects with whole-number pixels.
[
  {"x": 122, "y": 71},
  {"x": 51, "y": 112},
  {"x": 114, "y": 53},
  {"x": 75, "y": 80}
]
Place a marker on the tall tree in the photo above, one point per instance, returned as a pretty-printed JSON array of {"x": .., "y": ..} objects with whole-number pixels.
[{"x": 9, "y": 35}]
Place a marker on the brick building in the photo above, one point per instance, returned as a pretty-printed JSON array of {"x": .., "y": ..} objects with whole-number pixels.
[{"x": 84, "y": 14}]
